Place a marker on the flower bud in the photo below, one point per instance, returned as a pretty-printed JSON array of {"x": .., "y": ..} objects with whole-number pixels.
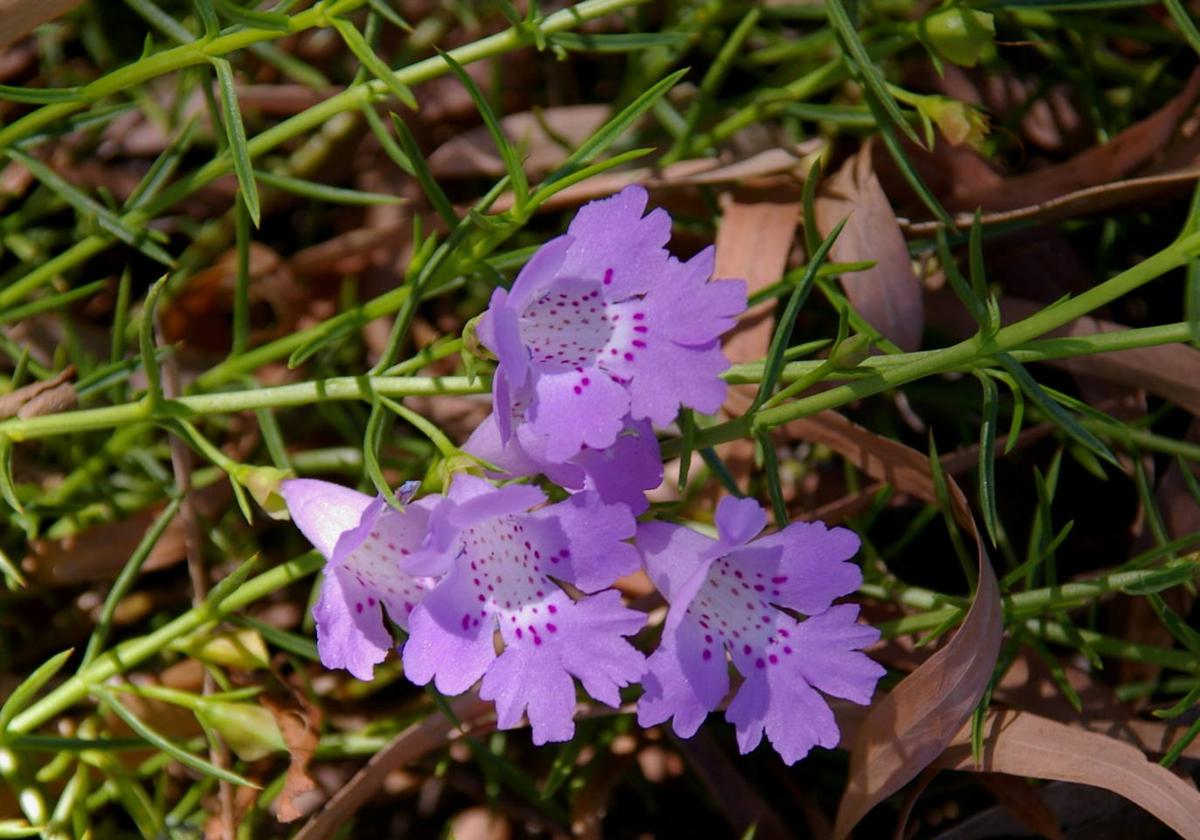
[
  {"x": 958, "y": 34},
  {"x": 248, "y": 729}
]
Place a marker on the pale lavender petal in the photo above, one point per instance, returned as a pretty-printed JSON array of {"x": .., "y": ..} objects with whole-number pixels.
[
  {"x": 669, "y": 375},
  {"x": 323, "y": 511},
  {"x": 739, "y": 520},
  {"x": 713, "y": 306},
  {"x": 522, "y": 681},
  {"x": 591, "y": 645},
  {"x": 356, "y": 641},
  {"x": 575, "y": 409},
  {"x": 584, "y": 543},
  {"x": 502, "y": 405},
  {"x": 539, "y": 274},
  {"x": 806, "y": 565},
  {"x": 623, "y": 472},
  {"x": 515, "y": 460},
  {"x": 450, "y": 637},
  {"x": 830, "y": 645},
  {"x": 686, "y": 678},
  {"x": 500, "y": 332},
  {"x": 615, "y": 244},
  {"x": 672, "y": 556},
  {"x": 794, "y": 717}
]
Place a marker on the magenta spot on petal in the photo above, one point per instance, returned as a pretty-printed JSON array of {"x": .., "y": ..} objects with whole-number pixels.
[
  {"x": 638, "y": 316},
  {"x": 638, "y": 343},
  {"x": 772, "y": 659},
  {"x": 358, "y": 607},
  {"x": 578, "y": 390},
  {"x": 746, "y": 650},
  {"x": 552, "y": 609},
  {"x": 370, "y": 602},
  {"x": 608, "y": 275},
  {"x": 551, "y": 628},
  {"x": 537, "y": 640},
  {"x": 520, "y": 635},
  {"x": 780, "y": 579},
  {"x": 707, "y": 655},
  {"x": 758, "y": 663},
  {"x": 466, "y": 621},
  {"x": 629, "y": 357},
  {"x": 787, "y": 650},
  {"x": 586, "y": 381},
  {"x": 482, "y": 599}
]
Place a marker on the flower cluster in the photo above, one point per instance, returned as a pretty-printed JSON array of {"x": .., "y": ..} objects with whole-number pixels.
[{"x": 603, "y": 336}]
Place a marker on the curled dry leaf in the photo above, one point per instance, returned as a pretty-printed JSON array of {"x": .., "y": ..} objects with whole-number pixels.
[
  {"x": 906, "y": 730},
  {"x": 31, "y": 400},
  {"x": 1024, "y": 744},
  {"x": 300, "y": 727},
  {"x": 888, "y": 294}
]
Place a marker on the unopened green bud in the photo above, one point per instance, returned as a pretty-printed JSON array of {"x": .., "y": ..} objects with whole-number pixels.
[
  {"x": 958, "y": 121},
  {"x": 242, "y": 648},
  {"x": 471, "y": 342},
  {"x": 958, "y": 34},
  {"x": 263, "y": 484},
  {"x": 248, "y": 729}
]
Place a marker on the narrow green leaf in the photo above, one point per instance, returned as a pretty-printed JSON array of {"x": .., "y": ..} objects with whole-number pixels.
[
  {"x": 22, "y": 694},
  {"x": 235, "y": 135},
  {"x": 367, "y": 57},
  {"x": 146, "y": 341},
  {"x": 771, "y": 473},
  {"x": 19, "y": 828},
  {"x": 293, "y": 643},
  {"x": 900, "y": 156},
  {"x": 989, "y": 411},
  {"x": 1177, "y": 626},
  {"x": 613, "y": 129},
  {"x": 942, "y": 493},
  {"x": 720, "y": 471},
  {"x": 164, "y": 744},
  {"x": 208, "y": 17},
  {"x": 1185, "y": 740},
  {"x": 241, "y": 280},
  {"x": 975, "y": 258},
  {"x": 41, "y": 96},
  {"x": 1185, "y": 23},
  {"x": 687, "y": 435},
  {"x": 1054, "y": 411},
  {"x": 958, "y": 283},
  {"x": 390, "y": 147},
  {"x": 51, "y": 302},
  {"x": 125, "y": 581},
  {"x": 619, "y": 42},
  {"x": 546, "y": 191},
  {"x": 424, "y": 175},
  {"x": 88, "y": 207},
  {"x": 812, "y": 234},
  {"x": 512, "y": 163},
  {"x": 783, "y": 329},
  {"x": 1185, "y": 704},
  {"x": 377, "y": 425},
  {"x": 325, "y": 192},
  {"x": 8, "y": 490},
  {"x": 252, "y": 18},
  {"x": 163, "y": 168},
  {"x": 867, "y": 71},
  {"x": 385, "y": 11}
]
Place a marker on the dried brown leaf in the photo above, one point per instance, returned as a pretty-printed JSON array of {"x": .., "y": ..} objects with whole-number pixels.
[
  {"x": 888, "y": 294},
  {"x": 300, "y": 726},
  {"x": 14, "y": 402},
  {"x": 1024, "y": 744},
  {"x": 20, "y": 17},
  {"x": 906, "y": 730}
]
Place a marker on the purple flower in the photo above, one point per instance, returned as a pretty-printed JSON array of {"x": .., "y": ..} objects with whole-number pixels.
[
  {"x": 725, "y": 596},
  {"x": 603, "y": 324},
  {"x": 620, "y": 474},
  {"x": 363, "y": 540},
  {"x": 500, "y": 561}
]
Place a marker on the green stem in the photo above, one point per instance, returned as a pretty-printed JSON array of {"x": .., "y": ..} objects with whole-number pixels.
[{"x": 135, "y": 651}]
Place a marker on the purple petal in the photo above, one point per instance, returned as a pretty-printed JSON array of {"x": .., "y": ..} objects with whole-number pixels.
[
  {"x": 668, "y": 375},
  {"x": 623, "y": 472},
  {"x": 522, "y": 681},
  {"x": 686, "y": 678},
  {"x": 739, "y": 520},
  {"x": 513, "y": 458},
  {"x": 575, "y": 409},
  {"x": 672, "y": 555},
  {"x": 592, "y": 647},
  {"x": 792, "y": 714},
  {"x": 713, "y": 306},
  {"x": 540, "y": 272},
  {"x": 354, "y": 640},
  {"x": 614, "y": 244},
  {"x": 806, "y": 563},
  {"x": 831, "y": 660},
  {"x": 500, "y": 332},
  {"x": 449, "y": 638},
  {"x": 323, "y": 511},
  {"x": 591, "y": 553}
]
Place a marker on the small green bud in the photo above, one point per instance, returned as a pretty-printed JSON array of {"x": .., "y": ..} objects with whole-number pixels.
[
  {"x": 958, "y": 121},
  {"x": 263, "y": 484},
  {"x": 243, "y": 648},
  {"x": 471, "y": 342},
  {"x": 958, "y": 34},
  {"x": 248, "y": 729}
]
